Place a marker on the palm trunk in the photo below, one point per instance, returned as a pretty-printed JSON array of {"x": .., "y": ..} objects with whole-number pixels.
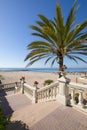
[{"x": 61, "y": 69}]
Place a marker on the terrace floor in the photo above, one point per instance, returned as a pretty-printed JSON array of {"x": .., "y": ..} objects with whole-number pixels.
[{"x": 41, "y": 116}]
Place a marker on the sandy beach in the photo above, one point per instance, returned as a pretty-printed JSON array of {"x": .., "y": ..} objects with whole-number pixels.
[
  {"x": 14, "y": 76},
  {"x": 30, "y": 77}
]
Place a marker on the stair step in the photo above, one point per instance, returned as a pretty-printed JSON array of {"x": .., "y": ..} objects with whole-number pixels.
[{"x": 35, "y": 112}]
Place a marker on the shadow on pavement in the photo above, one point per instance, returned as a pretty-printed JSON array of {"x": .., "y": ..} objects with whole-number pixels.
[
  {"x": 6, "y": 108},
  {"x": 17, "y": 125}
]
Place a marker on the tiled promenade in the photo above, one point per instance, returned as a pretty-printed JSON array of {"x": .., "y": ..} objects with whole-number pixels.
[
  {"x": 63, "y": 118},
  {"x": 43, "y": 116}
]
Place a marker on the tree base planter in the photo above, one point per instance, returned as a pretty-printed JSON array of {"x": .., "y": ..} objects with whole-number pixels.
[
  {"x": 63, "y": 96},
  {"x": 62, "y": 100}
]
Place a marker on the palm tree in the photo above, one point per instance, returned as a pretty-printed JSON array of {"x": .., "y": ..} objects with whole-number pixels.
[{"x": 59, "y": 39}]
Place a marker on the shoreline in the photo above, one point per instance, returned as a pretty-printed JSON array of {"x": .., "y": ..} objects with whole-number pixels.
[
  {"x": 43, "y": 71},
  {"x": 48, "y": 70}
]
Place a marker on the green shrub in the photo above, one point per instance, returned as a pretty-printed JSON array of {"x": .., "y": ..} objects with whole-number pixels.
[
  {"x": 2, "y": 122},
  {"x": 47, "y": 82},
  {"x": 3, "y": 119}
]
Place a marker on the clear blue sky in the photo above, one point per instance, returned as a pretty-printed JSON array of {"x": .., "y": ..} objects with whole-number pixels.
[{"x": 16, "y": 16}]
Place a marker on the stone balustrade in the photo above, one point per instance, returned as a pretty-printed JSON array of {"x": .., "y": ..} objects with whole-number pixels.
[
  {"x": 9, "y": 86},
  {"x": 66, "y": 92},
  {"x": 47, "y": 93},
  {"x": 72, "y": 94},
  {"x": 78, "y": 94}
]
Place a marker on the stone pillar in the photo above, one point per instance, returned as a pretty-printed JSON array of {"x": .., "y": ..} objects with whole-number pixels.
[
  {"x": 63, "y": 90},
  {"x": 34, "y": 99},
  {"x": 22, "y": 80},
  {"x": 22, "y": 87}
]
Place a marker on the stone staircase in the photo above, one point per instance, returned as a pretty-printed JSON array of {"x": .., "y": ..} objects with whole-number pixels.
[
  {"x": 48, "y": 116},
  {"x": 31, "y": 114},
  {"x": 44, "y": 115},
  {"x": 24, "y": 112}
]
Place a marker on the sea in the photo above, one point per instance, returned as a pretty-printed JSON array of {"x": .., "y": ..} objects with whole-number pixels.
[{"x": 44, "y": 69}]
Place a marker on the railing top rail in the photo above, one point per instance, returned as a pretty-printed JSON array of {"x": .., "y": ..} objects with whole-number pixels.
[
  {"x": 9, "y": 83},
  {"x": 78, "y": 86},
  {"x": 30, "y": 87},
  {"x": 47, "y": 87}
]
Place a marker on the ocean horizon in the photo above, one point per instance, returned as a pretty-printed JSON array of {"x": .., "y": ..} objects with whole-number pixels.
[{"x": 44, "y": 69}]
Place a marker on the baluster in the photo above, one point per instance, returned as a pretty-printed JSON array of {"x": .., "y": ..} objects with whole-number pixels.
[
  {"x": 40, "y": 96},
  {"x": 48, "y": 93},
  {"x": 45, "y": 95},
  {"x": 72, "y": 95},
  {"x": 56, "y": 89},
  {"x": 53, "y": 92},
  {"x": 80, "y": 97}
]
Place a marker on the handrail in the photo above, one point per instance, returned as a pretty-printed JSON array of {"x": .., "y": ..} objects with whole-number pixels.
[
  {"x": 78, "y": 86},
  {"x": 47, "y": 87},
  {"x": 30, "y": 87},
  {"x": 8, "y": 86},
  {"x": 9, "y": 83}
]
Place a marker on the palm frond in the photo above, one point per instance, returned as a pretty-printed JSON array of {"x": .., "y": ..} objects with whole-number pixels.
[
  {"x": 79, "y": 28},
  {"x": 37, "y": 44},
  {"x": 36, "y": 28},
  {"x": 80, "y": 59},
  {"x": 40, "y": 23},
  {"x": 76, "y": 43},
  {"x": 45, "y": 21},
  {"x": 72, "y": 58},
  {"x": 48, "y": 59},
  {"x": 59, "y": 18},
  {"x": 36, "y": 52},
  {"x": 52, "y": 63},
  {"x": 50, "y": 33},
  {"x": 45, "y": 37},
  {"x": 79, "y": 52},
  {"x": 59, "y": 23},
  {"x": 71, "y": 17}
]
